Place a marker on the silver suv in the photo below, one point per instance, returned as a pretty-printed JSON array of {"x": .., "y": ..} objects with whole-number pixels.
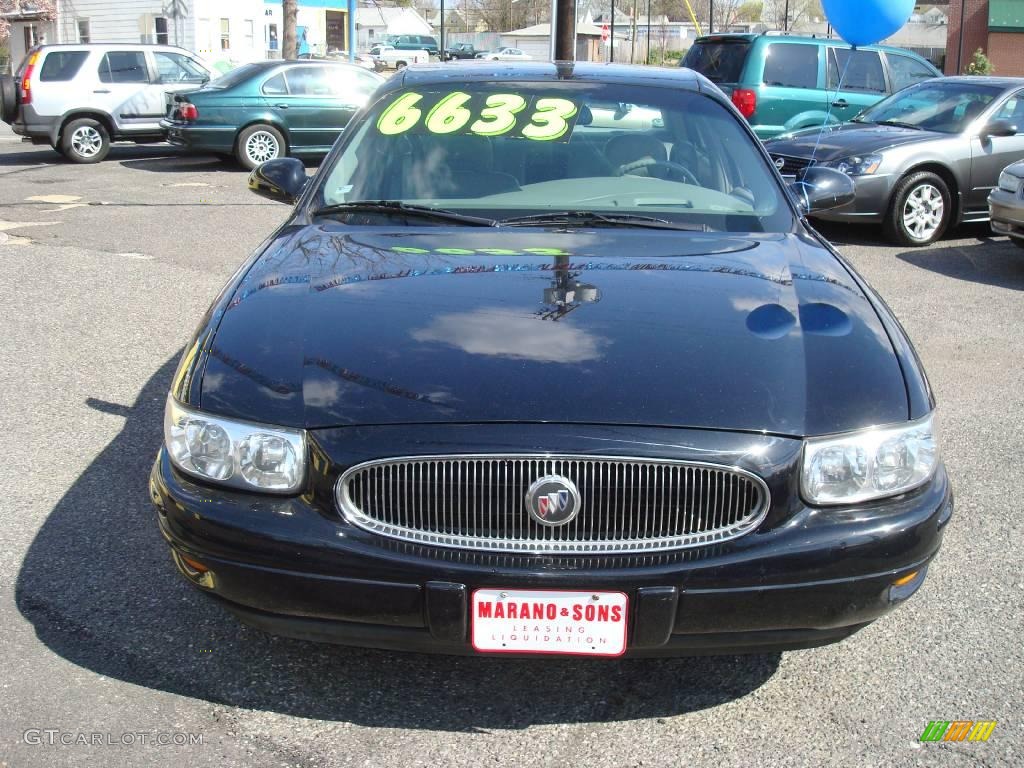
[{"x": 80, "y": 98}]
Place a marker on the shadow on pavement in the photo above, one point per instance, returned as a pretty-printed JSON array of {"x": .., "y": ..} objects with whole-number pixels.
[
  {"x": 182, "y": 163},
  {"x": 100, "y": 590},
  {"x": 986, "y": 261},
  {"x": 29, "y": 154}
]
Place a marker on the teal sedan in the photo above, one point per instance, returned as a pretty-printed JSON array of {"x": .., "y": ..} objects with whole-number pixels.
[{"x": 270, "y": 109}]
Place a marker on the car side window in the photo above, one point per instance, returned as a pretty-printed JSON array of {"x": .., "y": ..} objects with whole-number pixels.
[
  {"x": 62, "y": 65},
  {"x": 850, "y": 70},
  {"x": 124, "y": 67},
  {"x": 791, "y": 65},
  {"x": 308, "y": 81},
  {"x": 1012, "y": 111},
  {"x": 276, "y": 86},
  {"x": 178, "y": 68},
  {"x": 905, "y": 71}
]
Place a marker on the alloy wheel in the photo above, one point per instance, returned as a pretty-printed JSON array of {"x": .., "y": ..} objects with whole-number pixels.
[
  {"x": 923, "y": 212},
  {"x": 86, "y": 141},
  {"x": 261, "y": 146}
]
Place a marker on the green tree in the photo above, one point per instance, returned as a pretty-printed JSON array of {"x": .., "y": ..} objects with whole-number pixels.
[{"x": 979, "y": 65}]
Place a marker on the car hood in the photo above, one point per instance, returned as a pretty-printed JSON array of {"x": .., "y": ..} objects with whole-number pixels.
[
  {"x": 846, "y": 140},
  {"x": 335, "y": 326}
]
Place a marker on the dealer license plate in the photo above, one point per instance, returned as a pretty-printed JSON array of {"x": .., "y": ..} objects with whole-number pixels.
[{"x": 541, "y": 621}]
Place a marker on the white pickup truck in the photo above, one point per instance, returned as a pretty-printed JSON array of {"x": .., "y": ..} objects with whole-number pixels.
[{"x": 389, "y": 57}]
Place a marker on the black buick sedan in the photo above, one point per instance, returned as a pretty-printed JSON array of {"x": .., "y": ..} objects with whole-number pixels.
[{"x": 522, "y": 374}]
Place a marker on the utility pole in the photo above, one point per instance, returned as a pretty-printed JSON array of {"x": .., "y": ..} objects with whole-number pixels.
[
  {"x": 290, "y": 14},
  {"x": 711, "y": 17},
  {"x": 441, "y": 46},
  {"x": 563, "y": 30},
  {"x": 611, "y": 38},
  {"x": 648, "y": 31},
  {"x": 785, "y": 21}
]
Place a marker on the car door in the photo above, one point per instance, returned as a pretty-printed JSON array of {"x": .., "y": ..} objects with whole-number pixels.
[
  {"x": 990, "y": 154},
  {"x": 856, "y": 80},
  {"x": 311, "y": 108},
  {"x": 790, "y": 96},
  {"x": 121, "y": 88}
]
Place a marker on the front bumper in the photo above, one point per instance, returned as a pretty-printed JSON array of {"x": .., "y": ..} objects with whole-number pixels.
[
  {"x": 292, "y": 566},
  {"x": 870, "y": 204},
  {"x": 1006, "y": 212}
]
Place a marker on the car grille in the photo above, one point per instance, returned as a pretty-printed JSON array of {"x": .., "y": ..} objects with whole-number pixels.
[
  {"x": 478, "y": 502},
  {"x": 791, "y": 166}
]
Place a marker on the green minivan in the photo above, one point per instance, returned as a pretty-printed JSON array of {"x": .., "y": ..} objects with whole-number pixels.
[{"x": 783, "y": 83}]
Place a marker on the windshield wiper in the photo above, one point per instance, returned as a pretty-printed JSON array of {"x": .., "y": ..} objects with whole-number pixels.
[
  {"x": 398, "y": 208},
  {"x": 899, "y": 124},
  {"x": 592, "y": 219}
]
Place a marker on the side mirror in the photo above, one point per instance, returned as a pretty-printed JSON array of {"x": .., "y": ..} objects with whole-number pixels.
[
  {"x": 822, "y": 189},
  {"x": 281, "y": 180},
  {"x": 999, "y": 128}
]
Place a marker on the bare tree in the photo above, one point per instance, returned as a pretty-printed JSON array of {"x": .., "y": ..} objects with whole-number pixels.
[{"x": 290, "y": 13}]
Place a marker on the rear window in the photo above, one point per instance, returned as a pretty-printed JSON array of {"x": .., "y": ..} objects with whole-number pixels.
[
  {"x": 718, "y": 61},
  {"x": 62, "y": 65},
  {"x": 236, "y": 76},
  {"x": 791, "y": 65}
]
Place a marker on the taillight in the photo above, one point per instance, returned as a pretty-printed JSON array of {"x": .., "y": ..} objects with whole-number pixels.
[
  {"x": 745, "y": 101},
  {"x": 26, "y": 79},
  {"x": 188, "y": 111}
]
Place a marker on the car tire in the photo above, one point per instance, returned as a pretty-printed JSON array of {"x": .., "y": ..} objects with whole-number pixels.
[
  {"x": 58, "y": 148},
  {"x": 400, "y": 65},
  {"x": 84, "y": 141},
  {"x": 8, "y": 99},
  {"x": 259, "y": 143},
  {"x": 920, "y": 210}
]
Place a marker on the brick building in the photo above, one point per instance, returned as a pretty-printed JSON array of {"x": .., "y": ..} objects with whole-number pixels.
[{"x": 995, "y": 26}]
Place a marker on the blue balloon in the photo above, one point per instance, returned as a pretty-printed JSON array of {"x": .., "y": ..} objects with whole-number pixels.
[{"x": 865, "y": 22}]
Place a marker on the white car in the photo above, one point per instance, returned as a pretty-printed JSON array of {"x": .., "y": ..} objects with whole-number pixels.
[
  {"x": 80, "y": 98},
  {"x": 389, "y": 57},
  {"x": 508, "y": 54}
]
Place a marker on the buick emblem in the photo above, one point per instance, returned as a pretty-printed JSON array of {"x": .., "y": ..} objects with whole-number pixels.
[
  {"x": 780, "y": 163},
  {"x": 553, "y": 500}
]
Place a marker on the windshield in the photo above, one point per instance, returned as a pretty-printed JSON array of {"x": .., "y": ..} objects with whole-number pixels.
[
  {"x": 719, "y": 62},
  {"x": 933, "y": 106},
  {"x": 504, "y": 150}
]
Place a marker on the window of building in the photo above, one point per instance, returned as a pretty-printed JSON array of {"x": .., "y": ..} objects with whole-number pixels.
[
  {"x": 250, "y": 33},
  {"x": 83, "y": 30},
  {"x": 160, "y": 28},
  {"x": 124, "y": 67},
  {"x": 31, "y": 36},
  {"x": 225, "y": 34},
  {"x": 791, "y": 65},
  {"x": 272, "y": 37}
]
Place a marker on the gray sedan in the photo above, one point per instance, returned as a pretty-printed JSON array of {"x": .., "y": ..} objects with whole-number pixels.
[
  {"x": 1006, "y": 204},
  {"x": 923, "y": 159}
]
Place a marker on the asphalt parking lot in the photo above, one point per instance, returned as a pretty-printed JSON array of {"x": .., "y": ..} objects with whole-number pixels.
[{"x": 105, "y": 271}]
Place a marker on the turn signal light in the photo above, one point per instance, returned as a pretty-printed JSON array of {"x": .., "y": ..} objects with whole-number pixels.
[
  {"x": 188, "y": 112},
  {"x": 905, "y": 579},
  {"x": 194, "y": 564},
  {"x": 745, "y": 101}
]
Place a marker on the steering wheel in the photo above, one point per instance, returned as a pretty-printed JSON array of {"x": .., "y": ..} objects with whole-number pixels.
[{"x": 672, "y": 168}]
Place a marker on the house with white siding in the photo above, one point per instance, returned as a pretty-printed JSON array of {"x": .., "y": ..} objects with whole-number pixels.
[{"x": 230, "y": 31}]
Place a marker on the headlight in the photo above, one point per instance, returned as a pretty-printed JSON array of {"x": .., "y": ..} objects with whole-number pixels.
[
  {"x": 240, "y": 454},
  {"x": 870, "y": 464},
  {"x": 1008, "y": 182},
  {"x": 859, "y": 165}
]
